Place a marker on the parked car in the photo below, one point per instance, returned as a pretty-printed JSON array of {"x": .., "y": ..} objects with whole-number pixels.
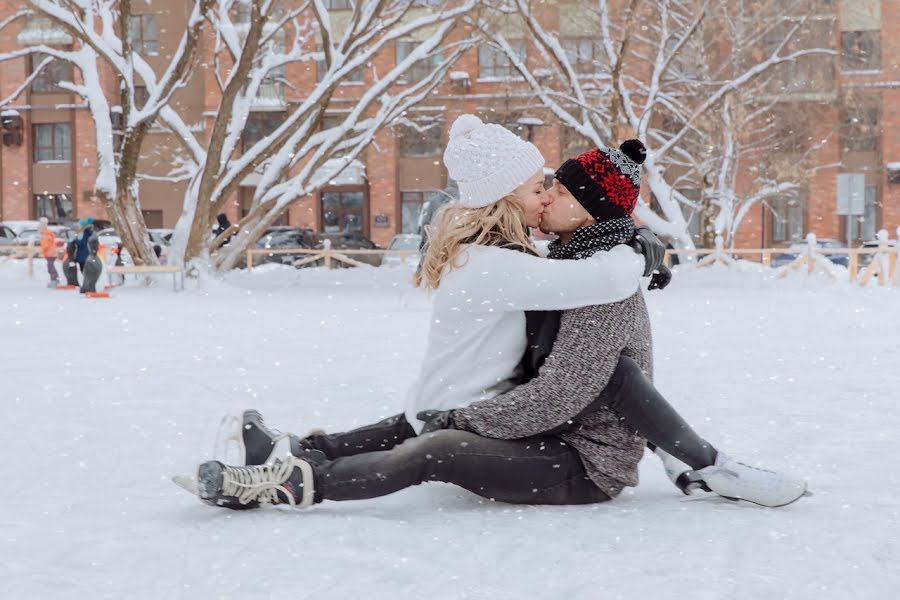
[
  {"x": 18, "y": 227},
  {"x": 163, "y": 234},
  {"x": 63, "y": 235},
  {"x": 285, "y": 238},
  {"x": 7, "y": 236},
  {"x": 403, "y": 241},
  {"x": 794, "y": 251},
  {"x": 109, "y": 238},
  {"x": 351, "y": 240},
  {"x": 866, "y": 259}
]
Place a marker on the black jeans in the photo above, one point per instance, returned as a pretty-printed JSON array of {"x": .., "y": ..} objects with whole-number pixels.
[
  {"x": 382, "y": 435},
  {"x": 538, "y": 470}
]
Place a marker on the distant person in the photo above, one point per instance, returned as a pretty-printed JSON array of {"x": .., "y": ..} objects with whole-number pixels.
[
  {"x": 48, "y": 251},
  {"x": 83, "y": 251},
  {"x": 160, "y": 258},
  {"x": 224, "y": 225}
]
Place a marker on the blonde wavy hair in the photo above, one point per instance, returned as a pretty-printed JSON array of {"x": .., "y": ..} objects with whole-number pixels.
[{"x": 500, "y": 224}]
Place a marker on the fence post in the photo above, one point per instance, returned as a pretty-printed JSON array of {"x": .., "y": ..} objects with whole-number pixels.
[
  {"x": 327, "y": 246},
  {"x": 767, "y": 258},
  {"x": 249, "y": 259},
  {"x": 811, "y": 252},
  {"x": 854, "y": 263},
  {"x": 895, "y": 261},
  {"x": 883, "y": 250},
  {"x": 31, "y": 258}
]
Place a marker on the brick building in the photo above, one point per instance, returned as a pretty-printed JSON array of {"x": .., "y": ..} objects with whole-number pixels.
[{"x": 48, "y": 161}]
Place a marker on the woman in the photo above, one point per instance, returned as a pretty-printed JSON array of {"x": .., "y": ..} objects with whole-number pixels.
[{"x": 485, "y": 272}]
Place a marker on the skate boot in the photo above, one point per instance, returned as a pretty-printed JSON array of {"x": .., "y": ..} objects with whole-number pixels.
[
  {"x": 685, "y": 479},
  {"x": 285, "y": 481},
  {"x": 261, "y": 444},
  {"x": 255, "y": 443},
  {"x": 737, "y": 481}
]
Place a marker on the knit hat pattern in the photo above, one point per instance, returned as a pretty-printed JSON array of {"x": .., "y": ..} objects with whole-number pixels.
[
  {"x": 606, "y": 181},
  {"x": 488, "y": 161}
]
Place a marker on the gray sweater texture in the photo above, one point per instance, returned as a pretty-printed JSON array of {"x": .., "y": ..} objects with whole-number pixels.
[{"x": 577, "y": 370}]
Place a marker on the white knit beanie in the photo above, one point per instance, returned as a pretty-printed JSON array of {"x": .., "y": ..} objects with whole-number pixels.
[{"x": 488, "y": 161}]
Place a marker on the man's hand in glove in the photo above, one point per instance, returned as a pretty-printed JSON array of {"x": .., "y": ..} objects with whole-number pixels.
[
  {"x": 660, "y": 279},
  {"x": 644, "y": 242},
  {"x": 436, "y": 420}
]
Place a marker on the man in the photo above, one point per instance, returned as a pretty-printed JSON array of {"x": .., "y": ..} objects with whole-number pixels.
[
  {"x": 49, "y": 251},
  {"x": 590, "y": 396}
]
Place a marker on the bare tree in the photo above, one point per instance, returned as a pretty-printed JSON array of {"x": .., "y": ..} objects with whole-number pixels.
[
  {"x": 301, "y": 154},
  {"x": 672, "y": 73},
  {"x": 121, "y": 121}
]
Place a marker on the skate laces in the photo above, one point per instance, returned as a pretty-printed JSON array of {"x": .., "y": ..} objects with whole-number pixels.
[{"x": 261, "y": 482}]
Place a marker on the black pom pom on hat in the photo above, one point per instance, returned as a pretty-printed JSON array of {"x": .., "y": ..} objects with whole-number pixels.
[{"x": 634, "y": 150}]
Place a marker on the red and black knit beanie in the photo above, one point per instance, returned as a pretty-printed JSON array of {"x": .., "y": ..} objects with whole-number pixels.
[{"x": 606, "y": 181}]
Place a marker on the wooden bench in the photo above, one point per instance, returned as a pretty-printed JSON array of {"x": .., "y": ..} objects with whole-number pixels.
[{"x": 177, "y": 272}]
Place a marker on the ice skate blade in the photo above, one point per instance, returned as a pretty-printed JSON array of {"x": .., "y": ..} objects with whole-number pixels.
[{"x": 188, "y": 483}]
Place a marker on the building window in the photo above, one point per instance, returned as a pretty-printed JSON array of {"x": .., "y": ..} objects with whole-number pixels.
[
  {"x": 56, "y": 207},
  {"x": 141, "y": 95},
  {"x": 52, "y": 142},
  {"x": 861, "y": 50},
  {"x": 787, "y": 219},
  {"x": 355, "y": 76},
  {"x": 573, "y": 143},
  {"x": 493, "y": 63},
  {"x": 143, "y": 35},
  {"x": 50, "y": 76},
  {"x": 584, "y": 54},
  {"x": 859, "y": 128},
  {"x": 338, "y": 4},
  {"x": 343, "y": 211},
  {"x": 420, "y": 69},
  {"x": 411, "y": 208},
  {"x": 260, "y": 125},
  {"x": 419, "y": 142}
]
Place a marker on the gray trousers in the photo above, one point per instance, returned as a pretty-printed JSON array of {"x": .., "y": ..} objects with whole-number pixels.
[
  {"x": 51, "y": 268},
  {"x": 386, "y": 457}
]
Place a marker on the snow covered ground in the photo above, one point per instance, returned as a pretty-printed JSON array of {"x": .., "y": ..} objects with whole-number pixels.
[{"x": 105, "y": 399}]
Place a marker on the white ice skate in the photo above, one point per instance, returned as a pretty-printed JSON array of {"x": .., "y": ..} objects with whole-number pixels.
[
  {"x": 738, "y": 481},
  {"x": 687, "y": 480}
]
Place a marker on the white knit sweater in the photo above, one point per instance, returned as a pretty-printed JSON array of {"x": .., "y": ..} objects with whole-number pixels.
[{"x": 477, "y": 333}]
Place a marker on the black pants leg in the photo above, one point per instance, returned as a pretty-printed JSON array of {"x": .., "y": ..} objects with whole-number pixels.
[
  {"x": 379, "y": 436},
  {"x": 632, "y": 395},
  {"x": 539, "y": 470}
]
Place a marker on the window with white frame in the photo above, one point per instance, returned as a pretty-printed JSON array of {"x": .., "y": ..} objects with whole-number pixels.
[
  {"x": 52, "y": 142},
  {"x": 584, "y": 54},
  {"x": 50, "y": 76},
  {"x": 420, "y": 69},
  {"x": 143, "y": 34},
  {"x": 494, "y": 63}
]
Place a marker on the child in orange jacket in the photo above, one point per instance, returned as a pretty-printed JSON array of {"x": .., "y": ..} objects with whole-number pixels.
[{"x": 48, "y": 250}]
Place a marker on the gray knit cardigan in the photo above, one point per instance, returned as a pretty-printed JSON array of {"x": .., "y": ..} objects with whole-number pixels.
[{"x": 583, "y": 359}]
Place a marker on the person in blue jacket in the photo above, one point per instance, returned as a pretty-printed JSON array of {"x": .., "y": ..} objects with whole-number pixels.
[{"x": 82, "y": 251}]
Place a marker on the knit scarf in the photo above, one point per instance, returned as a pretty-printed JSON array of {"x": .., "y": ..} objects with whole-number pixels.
[{"x": 587, "y": 241}]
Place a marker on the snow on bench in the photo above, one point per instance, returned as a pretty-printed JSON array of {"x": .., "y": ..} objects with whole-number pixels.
[{"x": 177, "y": 272}]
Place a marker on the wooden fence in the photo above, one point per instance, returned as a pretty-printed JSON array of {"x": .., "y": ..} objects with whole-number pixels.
[{"x": 884, "y": 265}]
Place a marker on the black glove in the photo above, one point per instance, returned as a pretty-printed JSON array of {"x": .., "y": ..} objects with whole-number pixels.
[
  {"x": 661, "y": 278},
  {"x": 644, "y": 242},
  {"x": 436, "y": 420}
]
